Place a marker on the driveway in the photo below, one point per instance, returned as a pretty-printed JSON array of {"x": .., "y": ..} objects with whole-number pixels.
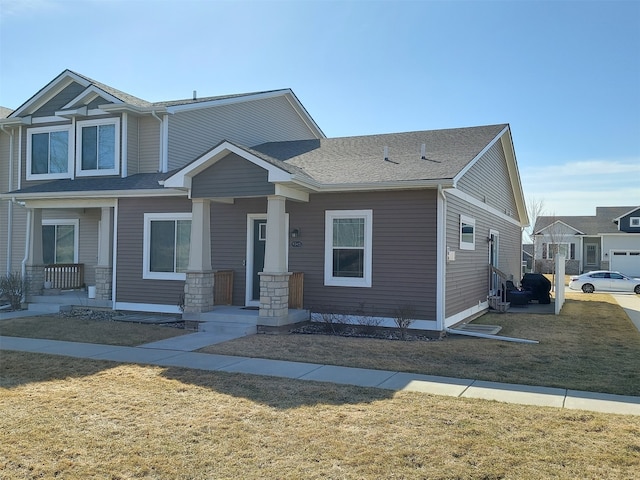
[{"x": 631, "y": 304}]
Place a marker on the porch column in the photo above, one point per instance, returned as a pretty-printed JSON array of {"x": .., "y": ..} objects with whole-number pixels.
[
  {"x": 34, "y": 268},
  {"x": 198, "y": 287},
  {"x": 274, "y": 280},
  {"x": 104, "y": 267}
]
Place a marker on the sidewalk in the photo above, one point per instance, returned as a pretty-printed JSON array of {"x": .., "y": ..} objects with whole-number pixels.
[{"x": 176, "y": 352}]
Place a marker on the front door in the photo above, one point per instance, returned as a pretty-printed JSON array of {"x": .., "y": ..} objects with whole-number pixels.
[{"x": 259, "y": 244}]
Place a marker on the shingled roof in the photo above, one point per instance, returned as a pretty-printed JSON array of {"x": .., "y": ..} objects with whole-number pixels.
[
  {"x": 361, "y": 159},
  {"x": 601, "y": 222}
]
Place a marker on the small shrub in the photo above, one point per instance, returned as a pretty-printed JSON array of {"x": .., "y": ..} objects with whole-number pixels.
[
  {"x": 333, "y": 322},
  {"x": 14, "y": 288},
  {"x": 404, "y": 317}
]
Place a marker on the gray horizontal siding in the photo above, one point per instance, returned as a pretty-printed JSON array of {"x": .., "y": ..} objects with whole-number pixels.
[
  {"x": 488, "y": 181},
  {"x": 232, "y": 176},
  {"x": 149, "y": 145},
  {"x": 130, "y": 285},
  {"x": 133, "y": 151},
  {"x": 467, "y": 278},
  {"x": 58, "y": 101},
  {"x": 192, "y": 133}
]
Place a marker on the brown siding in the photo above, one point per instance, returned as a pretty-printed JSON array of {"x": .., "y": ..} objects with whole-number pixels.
[
  {"x": 488, "y": 181},
  {"x": 467, "y": 278},
  {"x": 130, "y": 285},
  {"x": 404, "y": 250},
  {"x": 232, "y": 176}
]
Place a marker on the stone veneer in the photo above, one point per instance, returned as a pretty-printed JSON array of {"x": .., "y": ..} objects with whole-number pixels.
[
  {"x": 274, "y": 295},
  {"x": 198, "y": 292},
  {"x": 104, "y": 276}
]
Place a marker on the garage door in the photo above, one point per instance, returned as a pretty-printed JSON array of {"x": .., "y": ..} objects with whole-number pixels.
[{"x": 626, "y": 261}]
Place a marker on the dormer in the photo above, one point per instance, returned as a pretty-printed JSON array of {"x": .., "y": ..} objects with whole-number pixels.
[{"x": 629, "y": 222}]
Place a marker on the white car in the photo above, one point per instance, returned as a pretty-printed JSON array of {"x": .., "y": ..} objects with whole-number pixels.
[{"x": 604, "y": 281}]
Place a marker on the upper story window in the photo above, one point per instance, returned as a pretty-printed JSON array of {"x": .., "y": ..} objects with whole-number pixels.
[
  {"x": 48, "y": 153},
  {"x": 634, "y": 221},
  {"x": 467, "y": 233},
  {"x": 98, "y": 147},
  {"x": 348, "y": 248}
]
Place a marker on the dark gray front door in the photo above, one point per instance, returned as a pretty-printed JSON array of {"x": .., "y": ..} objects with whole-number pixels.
[{"x": 259, "y": 243}]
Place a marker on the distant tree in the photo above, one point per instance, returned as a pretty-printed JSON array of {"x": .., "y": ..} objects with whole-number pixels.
[{"x": 535, "y": 209}]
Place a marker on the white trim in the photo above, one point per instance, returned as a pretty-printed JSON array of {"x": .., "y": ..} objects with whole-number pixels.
[
  {"x": 329, "y": 279},
  {"x": 98, "y": 194},
  {"x": 483, "y": 206},
  {"x": 76, "y": 231},
  {"x": 116, "y": 148},
  {"x": 49, "y": 119},
  {"x": 164, "y": 139},
  {"x": 553, "y": 224},
  {"x": 93, "y": 92},
  {"x": 441, "y": 265},
  {"x": 124, "y": 146},
  {"x": 463, "y": 315},
  {"x": 49, "y": 91},
  {"x": 70, "y": 142},
  {"x": 632, "y": 219},
  {"x": 114, "y": 263},
  {"x": 182, "y": 179},
  {"x": 464, "y": 245},
  {"x": 147, "y": 307},
  {"x": 479, "y": 155},
  {"x": 147, "y": 274}
]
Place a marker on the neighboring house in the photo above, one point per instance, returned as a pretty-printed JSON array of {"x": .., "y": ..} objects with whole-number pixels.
[
  {"x": 149, "y": 200},
  {"x": 527, "y": 257},
  {"x": 610, "y": 240}
]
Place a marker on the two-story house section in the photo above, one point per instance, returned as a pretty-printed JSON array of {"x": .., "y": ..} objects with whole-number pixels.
[{"x": 182, "y": 206}]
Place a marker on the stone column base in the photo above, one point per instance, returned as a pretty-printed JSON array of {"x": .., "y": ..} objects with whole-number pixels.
[
  {"x": 274, "y": 295},
  {"x": 104, "y": 277},
  {"x": 198, "y": 292}
]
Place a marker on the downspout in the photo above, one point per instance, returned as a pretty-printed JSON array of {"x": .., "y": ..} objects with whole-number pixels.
[
  {"x": 10, "y": 204},
  {"x": 154, "y": 115},
  {"x": 27, "y": 242},
  {"x": 441, "y": 267},
  {"x": 489, "y": 336},
  {"x": 114, "y": 261},
  {"x": 163, "y": 163}
]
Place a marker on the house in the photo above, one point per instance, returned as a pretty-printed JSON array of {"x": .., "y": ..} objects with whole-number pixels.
[
  {"x": 153, "y": 205},
  {"x": 610, "y": 240}
]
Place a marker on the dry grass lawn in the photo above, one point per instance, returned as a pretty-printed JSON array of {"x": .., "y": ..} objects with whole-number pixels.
[
  {"x": 77, "y": 419},
  {"x": 591, "y": 346},
  {"x": 80, "y": 329}
]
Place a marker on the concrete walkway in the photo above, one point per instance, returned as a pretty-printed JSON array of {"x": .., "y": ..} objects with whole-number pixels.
[{"x": 176, "y": 353}]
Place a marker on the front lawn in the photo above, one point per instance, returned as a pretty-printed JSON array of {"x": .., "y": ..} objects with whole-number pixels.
[
  {"x": 76, "y": 419},
  {"x": 592, "y": 345}
]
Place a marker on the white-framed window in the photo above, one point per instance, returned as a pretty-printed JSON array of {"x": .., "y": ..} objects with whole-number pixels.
[
  {"x": 634, "y": 221},
  {"x": 167, "y": 239},
  {"x": 467, "y": 233},
  {"x": 49, "y": 152},
  {"x": 348, "y": 243},
  {"x": 60, "y": 241},
  {"x": 559, "y": 249},
  {"x": 98, "y": 147}
]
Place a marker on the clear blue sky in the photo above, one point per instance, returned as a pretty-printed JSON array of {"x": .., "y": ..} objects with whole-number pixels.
[{"x": 564, "y": 74}]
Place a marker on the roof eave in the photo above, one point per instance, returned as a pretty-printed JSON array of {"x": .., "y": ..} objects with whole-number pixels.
[
  {"x": 143, "y": 192},
  {"x": 319, "y": 187}
]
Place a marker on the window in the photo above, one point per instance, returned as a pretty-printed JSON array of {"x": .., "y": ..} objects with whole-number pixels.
[
  {"x": 467, "y": 233},
  {"x": 634, "y": 221},
  {"x": 167, "y": 239},
  {"x": 59, "y": 241},
  {"x": 97, "y": 147},
  {"x": 48, "y": 153},
  {"x": 566, "y": 249},
  {"x": 348, "y": 246}
]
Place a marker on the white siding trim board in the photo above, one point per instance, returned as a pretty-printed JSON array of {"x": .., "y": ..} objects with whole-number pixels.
[{"x": 483, "y": 206}]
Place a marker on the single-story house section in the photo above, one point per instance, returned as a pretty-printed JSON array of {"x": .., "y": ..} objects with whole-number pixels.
[
  {"x": 610, "y": 240},
  {"x": 241, "y": 199}
]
